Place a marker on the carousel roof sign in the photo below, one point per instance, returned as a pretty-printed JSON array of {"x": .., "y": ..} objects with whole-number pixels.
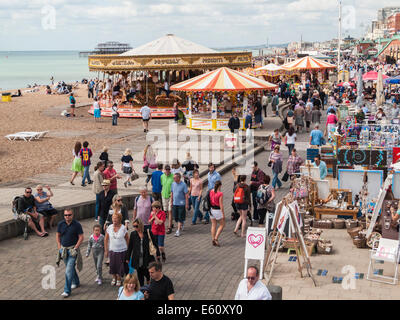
[{"x": 168, "y": 45}]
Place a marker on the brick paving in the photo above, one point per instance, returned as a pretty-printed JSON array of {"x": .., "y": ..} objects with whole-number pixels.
[{"x": 198, "y": 270}]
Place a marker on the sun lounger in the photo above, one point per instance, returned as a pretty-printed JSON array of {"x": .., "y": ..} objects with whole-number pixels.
[{"x": 26, "y": 136}]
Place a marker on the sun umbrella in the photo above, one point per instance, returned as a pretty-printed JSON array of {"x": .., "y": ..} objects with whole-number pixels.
[
  {"x": 223, "y": 79},
  {"x": 372, "y": 76},
  {"x": 393, "y": 80}
]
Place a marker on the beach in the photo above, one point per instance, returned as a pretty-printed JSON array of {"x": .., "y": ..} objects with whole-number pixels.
[{"x": 33, "y": 112}]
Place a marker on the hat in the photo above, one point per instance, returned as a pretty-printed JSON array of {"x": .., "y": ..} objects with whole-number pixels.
[
  {"x": 167, "y": 167},
  {"x": 106, "y": 183}
]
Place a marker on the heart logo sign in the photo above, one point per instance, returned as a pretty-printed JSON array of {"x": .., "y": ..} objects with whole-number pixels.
[{"x": 254, "y": 240}]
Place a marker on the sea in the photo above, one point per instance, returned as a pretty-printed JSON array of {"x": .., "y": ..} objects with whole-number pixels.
[{"x": 18, "y": 69}]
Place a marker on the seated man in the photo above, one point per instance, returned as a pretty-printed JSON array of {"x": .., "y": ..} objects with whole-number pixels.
[
  {"x": 43, "y": 205},
  {"x": 26, "y": 210}
]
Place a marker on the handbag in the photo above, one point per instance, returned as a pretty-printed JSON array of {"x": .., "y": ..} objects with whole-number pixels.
[
  {"x": 285, "y": 177},
  {"x": 146, "y": 169},
  {"x": 152, "y": 248},
  {"x": 134, "y": 176},
  {"x": 127, "y": 170}
]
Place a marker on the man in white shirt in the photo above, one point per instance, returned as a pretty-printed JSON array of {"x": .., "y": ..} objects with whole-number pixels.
[
  {"x": 252, "y": 288},
  {"x": 146, "y": 116}
]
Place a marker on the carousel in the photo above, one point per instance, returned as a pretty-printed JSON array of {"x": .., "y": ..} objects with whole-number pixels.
[
  {"x": 214, "y": 96},
  {"x": 273, "y": 73},
  {"x": 146, "y": 73}
]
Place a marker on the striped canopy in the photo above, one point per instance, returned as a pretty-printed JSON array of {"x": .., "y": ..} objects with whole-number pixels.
[
  {"x": 223, "y": 79},
  {"x": 308, "y": 63},
  {"x": 271, "y": 70}
]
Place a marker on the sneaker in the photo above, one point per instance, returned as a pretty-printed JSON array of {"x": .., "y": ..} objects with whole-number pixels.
[
  {"x": 163, "y": 256},
  {"x": 97, "y": 279},
  {"x": 129, "y": 184},
  {"x": 96, "y": 220},
  {"x": 177, "y": 233},
  {"x": 99, "y": 282},
  {"x": 65, "y": 295},
  {"x": 90, "y": 182},
  {"x": 182, "y": 226},
  {"x": 74, "y": 286},
  {"x": 125, "y": 184}
]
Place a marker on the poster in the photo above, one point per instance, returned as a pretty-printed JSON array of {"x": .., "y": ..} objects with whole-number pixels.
[
  {"x": 255, "y": 243},
  {"x": 283, "y": 219}
]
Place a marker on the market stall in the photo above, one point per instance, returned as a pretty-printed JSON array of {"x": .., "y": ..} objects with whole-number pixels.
[
  {"x": 214, "y": 96},
  {"x": 149, "y": 70},
  {"x": 272, "y": 72}
]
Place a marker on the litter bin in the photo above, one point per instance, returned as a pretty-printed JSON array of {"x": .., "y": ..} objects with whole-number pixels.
[{"x": 6, "y": 97}]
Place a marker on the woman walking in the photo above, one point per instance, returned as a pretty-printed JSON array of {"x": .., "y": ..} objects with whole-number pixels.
[
  {"x": 316, "y": 115},
  {"x": 242, "y": 200},
  {"x": 293, "y": 164},
  {"x": 290, "y": 139},
  {"x": 275, "y": 160},
  {"x": 275, "y": 139},
  {"x": 308, "y": 117},
  {"x": 157, "y": 219},
  {"x": 115, "y": 245},
  {"x": 331, "y": 121},
  {"x": 195, "y": 191},
  {"x": 149, "y": 162},
  {"x": 139, "y": 251},
  {"x": 131, "y": 289},
  {"x": 97, "y": 187},
  {"x": 117, "y": 206},
  {"x": 127, "y": 166},
  {"x": 217, "y": 212},
  {"x": 268, "y": 205},
  {"x": 77, "y": 163},
  {"x": 299, "y": 117}
]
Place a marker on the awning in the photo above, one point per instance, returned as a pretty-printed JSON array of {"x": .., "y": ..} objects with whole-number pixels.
[{"x": 308, "y": 63}]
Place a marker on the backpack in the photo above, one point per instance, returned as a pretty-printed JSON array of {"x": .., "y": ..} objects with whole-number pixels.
[
  {"x": 262, "y": 196},
  {"x": 238, "y": 197},
  {"x": 206, "y": 203},
  {"x": 14, "y": 205}
]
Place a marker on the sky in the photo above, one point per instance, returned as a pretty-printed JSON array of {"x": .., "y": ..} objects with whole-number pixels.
[{"x": 81, "y": 25}]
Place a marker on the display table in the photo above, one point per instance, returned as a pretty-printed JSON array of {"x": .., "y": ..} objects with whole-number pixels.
[{"x": 335, "y": 212}]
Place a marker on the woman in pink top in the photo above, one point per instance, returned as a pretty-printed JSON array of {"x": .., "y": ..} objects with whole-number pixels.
[
  {"x": 157, "y": 220},
  {"x": 217, "y": 212},
  {"x": 195, "y": 190},
  {"x": 331, "y": 122}
]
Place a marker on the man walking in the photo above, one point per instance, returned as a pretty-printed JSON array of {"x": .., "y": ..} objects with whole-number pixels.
[
  {"x": 111, "y": 175},
  {"x": 180, "y": 201},
  {"x": 257, "y": 179},
  {"x": 161, "y": 287},
  {"x": 212, "y": 177},
  {"x": 85, "y": 155},
  {"x": 166, "y": 182},
  {"x": 156, "y": 182},
  {"x": 145, "y": 111},
  {"x": 105, "y": 201},
  {"x": 275, "y": 104},
  {"x": 234, "y": 123},
  {"x": 316, "y": 137},
  {"x": 69, "y": 237}
]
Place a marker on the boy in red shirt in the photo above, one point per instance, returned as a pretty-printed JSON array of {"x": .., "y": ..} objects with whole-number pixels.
[{"x": 157, "y": 218}]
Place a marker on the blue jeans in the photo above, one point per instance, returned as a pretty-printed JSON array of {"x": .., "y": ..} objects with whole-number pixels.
[
  {"x": 96, "y": 213},
  {"x": 114, "y": 119},
  {"x": 276, "y": 180},
  {"x": 86, "y": 175},
  {"x": 196, "y": 211},
  {"x": 71, "y": 276}
]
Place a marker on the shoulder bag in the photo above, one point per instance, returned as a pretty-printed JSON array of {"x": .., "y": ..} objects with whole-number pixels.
[{"x": 152, "y": 248}]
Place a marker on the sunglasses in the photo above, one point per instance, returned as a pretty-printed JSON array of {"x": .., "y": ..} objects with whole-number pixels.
[
  {"x": 28, "y": 191},
  {"x": 251, "y": 278},
  {"x": 136, "y": 226},
  {"x": 119, "y": 199},
  {"x": 67, "y": 215}
]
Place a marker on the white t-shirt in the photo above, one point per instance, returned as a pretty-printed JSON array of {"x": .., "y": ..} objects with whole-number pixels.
[
  {"x": 145, "y": 111},
  {"x": 117, "y": 240},
  {"x": 114, "y": 110},
  {"x": 258, "y": 292},
  {"x": 96, "y": 105},
  {"x": 291, "y": 139}
]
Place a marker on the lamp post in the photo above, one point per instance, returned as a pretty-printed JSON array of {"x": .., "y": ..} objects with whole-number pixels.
[{"x": 340, "y": 33}]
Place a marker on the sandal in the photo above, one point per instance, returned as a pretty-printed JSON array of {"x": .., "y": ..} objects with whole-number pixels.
[
  {"x": 118, "y": 283},
  {"x": 113, "y": 282},
  {"x": 169, "y": 230},
  {"x": 216, "y": 243}
]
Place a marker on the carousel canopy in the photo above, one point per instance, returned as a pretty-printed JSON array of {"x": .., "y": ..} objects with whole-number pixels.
[
  {"x": 271, "y": 70},
  {"x": 169, "y": 44},
  {"x": 223, "y": 79},
  {"x": 308, "y": 63}
]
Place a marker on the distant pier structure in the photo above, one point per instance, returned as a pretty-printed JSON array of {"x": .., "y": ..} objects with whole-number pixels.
[{"x": 110, "y": 47}]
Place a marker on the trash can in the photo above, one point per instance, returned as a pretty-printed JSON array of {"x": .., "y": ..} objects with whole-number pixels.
[{"x": 6, "y": 97}]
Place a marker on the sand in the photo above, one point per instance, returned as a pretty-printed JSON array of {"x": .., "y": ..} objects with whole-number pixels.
[{"x": 31, "y": 112}]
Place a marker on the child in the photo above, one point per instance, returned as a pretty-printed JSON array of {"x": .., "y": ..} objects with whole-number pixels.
[
  {"x": 157, "y": 218},
  {"x": 96, "y": 242}
]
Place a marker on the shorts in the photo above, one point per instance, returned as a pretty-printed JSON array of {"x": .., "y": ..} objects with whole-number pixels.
[
  {"x": 26, "y": 217},
  {"x": 242, "y": 206},
  {"x": 48, "y": 212},
  {"x": 145, "y": 120},
  {"x": 72, "y": 106},
  {"x": 179, "y": 213},
  {"x": 166, "y": 203},
  {"x": 160, "y": 240},
  {"x": 97, "y": 113},
  {"x": 156, "y": 196},
  {"x": 216, "y": 214}
]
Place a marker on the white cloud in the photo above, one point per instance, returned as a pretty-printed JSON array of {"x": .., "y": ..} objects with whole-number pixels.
[{"x": 161, "y": 8}]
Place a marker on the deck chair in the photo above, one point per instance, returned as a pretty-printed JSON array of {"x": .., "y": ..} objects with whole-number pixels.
[
  {"x": 21, "y": 136},
  {"x": 388, "y": 251}
]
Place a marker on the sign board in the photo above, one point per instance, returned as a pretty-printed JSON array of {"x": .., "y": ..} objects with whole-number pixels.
[
  {"x": 201, "y": 124},
  {"x": 387, "y": 249},
  {"x": 315, "y": 174},
  {"x": 283, "y": 219},
  {"x": 255, "y": 243},
  {"x": 222, "y": 124}
]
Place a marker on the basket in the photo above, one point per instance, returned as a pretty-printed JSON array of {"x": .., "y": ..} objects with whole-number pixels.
[
  {"x": 323, "y": 224},
  {"x": 338, "y": 223},
  {"x": 353, "y": 232},
  {"x": 350, "y": 224},
  {"x": 310, "y": 247},
  {"x": 324, "y": 247},
  {"x": 363, "y": 224},
  {"x": 360, "y": 242},
  {"x": 313, "y": 238},
  {"x": 291, "y": 243}
]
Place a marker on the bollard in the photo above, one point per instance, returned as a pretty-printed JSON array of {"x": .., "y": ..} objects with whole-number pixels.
[{"x": 275, "y": 291}]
